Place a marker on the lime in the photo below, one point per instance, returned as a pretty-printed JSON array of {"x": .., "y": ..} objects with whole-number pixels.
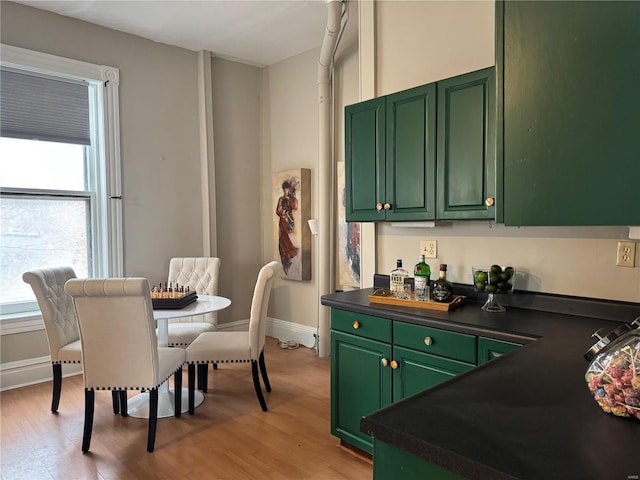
[
  {"x": 494, "y": 277},
  {"x": 480, "y": 286},
  {"x": 481, "y": 277},
  {"x": 491, "y": 288},
  {"x": 496, "y": 268}
]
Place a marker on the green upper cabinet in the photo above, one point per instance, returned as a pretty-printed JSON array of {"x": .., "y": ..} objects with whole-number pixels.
[
  {"x": 423, "y": 154},
  {"x": 571, "y": 112},
  {"x": 467, "y": 146},
  {"x": 390, "y": 157},
  {"x": 364, "y": 160},
  {"x": 411, "y": 154}
]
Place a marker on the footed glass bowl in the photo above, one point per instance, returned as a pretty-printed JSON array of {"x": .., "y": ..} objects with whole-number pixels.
[{"x": 492, "y": 280}]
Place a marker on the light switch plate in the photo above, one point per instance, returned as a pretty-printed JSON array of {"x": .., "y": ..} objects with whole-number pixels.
[{"x": 429, "y": 248}]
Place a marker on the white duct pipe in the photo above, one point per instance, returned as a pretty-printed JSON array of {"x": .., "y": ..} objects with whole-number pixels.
[{"x": 325, "y": 171}]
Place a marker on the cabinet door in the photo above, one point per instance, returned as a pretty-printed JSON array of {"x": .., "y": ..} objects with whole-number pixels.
[
  {"x": 392, "y": 463},
  {"x": 417, "y": 371},
  {"x": 410, "y": 159},
  {"x": 360, "y": 385},
  {"x": 488, "y": 349},
  {"x": 364, "y": 160},
  {"x": 467, "y": 146},
  {"x": 571, "y": 103}
]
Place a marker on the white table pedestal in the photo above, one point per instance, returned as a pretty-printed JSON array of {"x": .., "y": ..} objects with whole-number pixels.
[{"x": 138, "y": 405}]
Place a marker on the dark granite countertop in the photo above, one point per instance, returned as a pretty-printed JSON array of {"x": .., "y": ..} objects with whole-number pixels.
[{"x": 527, "y": 414}]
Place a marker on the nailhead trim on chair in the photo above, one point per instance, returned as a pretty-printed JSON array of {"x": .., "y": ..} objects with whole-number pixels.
[
  {"x": 198, "y": 362},
  {"x": 65, "y": 361},
  {"x": 142, "y": 389}
]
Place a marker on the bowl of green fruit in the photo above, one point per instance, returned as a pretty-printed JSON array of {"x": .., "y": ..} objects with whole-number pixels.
[{"x": 493, "y": 280}]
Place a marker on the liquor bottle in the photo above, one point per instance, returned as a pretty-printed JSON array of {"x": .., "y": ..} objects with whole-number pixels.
[
  {"x": 442, "y": 288},
  {"x": 398, "y": 277},
  {"x": 421, "y": 274}
]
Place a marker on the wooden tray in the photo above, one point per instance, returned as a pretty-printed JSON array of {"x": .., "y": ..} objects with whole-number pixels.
[{"x": 386, "y": 297}]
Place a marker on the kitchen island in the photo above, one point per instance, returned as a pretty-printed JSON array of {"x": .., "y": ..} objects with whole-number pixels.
[{"x": 527, "y": 414}]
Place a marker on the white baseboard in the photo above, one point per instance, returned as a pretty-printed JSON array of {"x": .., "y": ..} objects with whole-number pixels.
[
  {"x": 37, "y": 370},
  {"x": 284, "y": 330},
  {"x": 30, "y": 371},
  {"x": 280, "y": 329}
]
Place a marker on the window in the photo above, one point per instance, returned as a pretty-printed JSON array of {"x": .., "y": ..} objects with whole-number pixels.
[{"x": 60, "y": 173}]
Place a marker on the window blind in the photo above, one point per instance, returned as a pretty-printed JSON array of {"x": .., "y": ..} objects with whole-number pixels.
[{"x": 43, "y": 108}]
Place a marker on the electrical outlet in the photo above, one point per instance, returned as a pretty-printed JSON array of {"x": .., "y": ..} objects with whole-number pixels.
[
  {"x": 626, "y": 256},
  {"x": 428, "y": 248}
]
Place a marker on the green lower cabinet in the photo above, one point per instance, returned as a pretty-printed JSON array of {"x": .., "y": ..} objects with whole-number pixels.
[
  {"x": 417, "y": 371},
  {"x": 360, "y": 385},
  {"x": 391, "y": 463},
  {"x": 375, "y": 362},
  {"x": 488, "y": 349}
]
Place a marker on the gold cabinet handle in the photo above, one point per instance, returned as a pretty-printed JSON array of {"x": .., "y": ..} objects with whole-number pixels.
[
  {"x": 384, "y": 362},
  {"x": 394, "y": 364},
  {"x": 356, "y": 324},
  {"x": 489, "y": 201},
  {"x": 428, "y": 341},
  {"x": 378, "y": 206},
  {"x": 387, "y": 206}
]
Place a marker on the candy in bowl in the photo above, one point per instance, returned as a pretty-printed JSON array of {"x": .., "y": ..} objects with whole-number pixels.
[
  {"x": 613, "y": 375},
  {"x": 493, "y": 280}
]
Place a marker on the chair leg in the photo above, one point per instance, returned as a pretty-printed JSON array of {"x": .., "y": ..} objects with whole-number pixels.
[
  {"x": 115, "y": 400},
  {"x": 123, "y": 403},
  {"x": 256, "y": 385},
  {"x": 177, "y": 390},
  {"x": 263, "y": 370},
  {"x": 215, "y": 366},
  {"x": 57, "y": 387},
  {"x": 89, "y": 397},
  {"x": 191, "y": 372},
  {"x": 203, "y": 377},
  {"x": 153, "y": 418}
]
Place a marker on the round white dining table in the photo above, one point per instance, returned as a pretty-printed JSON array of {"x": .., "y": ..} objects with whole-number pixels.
[{"x": 138, "y": 405}]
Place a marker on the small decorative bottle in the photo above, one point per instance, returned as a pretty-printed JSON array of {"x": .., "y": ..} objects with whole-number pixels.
[
  {"x": 421, "y": 274},
  {"x": 397, "y": 279},
  {"x": 442, "y": 288}
]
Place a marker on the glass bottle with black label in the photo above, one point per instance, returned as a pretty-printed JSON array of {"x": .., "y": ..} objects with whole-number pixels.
[{"x": 442, "y": 288}]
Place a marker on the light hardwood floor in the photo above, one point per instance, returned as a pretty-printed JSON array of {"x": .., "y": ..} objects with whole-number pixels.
[{"x": 229, "y": 437}]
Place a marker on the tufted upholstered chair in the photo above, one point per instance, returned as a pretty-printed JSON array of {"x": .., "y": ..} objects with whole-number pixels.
[
  {"x": 109, "y": 310},
  {"x": 246, "y": 346},
  {"x": 201, "y": 275},
  {"x": 59, "y": 320}
]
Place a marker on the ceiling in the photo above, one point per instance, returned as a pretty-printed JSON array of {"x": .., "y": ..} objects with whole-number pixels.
[{"x": 256, "y": 32}]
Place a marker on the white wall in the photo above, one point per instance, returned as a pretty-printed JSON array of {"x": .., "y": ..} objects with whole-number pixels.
[
  {"x": 236, "y": 100},
  {"x": 159, "y": 130},
  {"x": 421, "y": 42},
  {"x": 291, "y": 116},
  {"x": 159, "y": 140}
]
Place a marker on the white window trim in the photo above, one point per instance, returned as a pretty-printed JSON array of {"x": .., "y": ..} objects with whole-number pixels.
[{"x": 110, "y": 113}]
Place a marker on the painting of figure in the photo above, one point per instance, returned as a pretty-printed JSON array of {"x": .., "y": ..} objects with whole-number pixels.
[{"x": 291, "y": 193}]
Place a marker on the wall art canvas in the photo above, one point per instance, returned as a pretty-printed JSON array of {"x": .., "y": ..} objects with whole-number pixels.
[
  {"x": 348, "y": 239},
  {"x": 292, "y": 211}
]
